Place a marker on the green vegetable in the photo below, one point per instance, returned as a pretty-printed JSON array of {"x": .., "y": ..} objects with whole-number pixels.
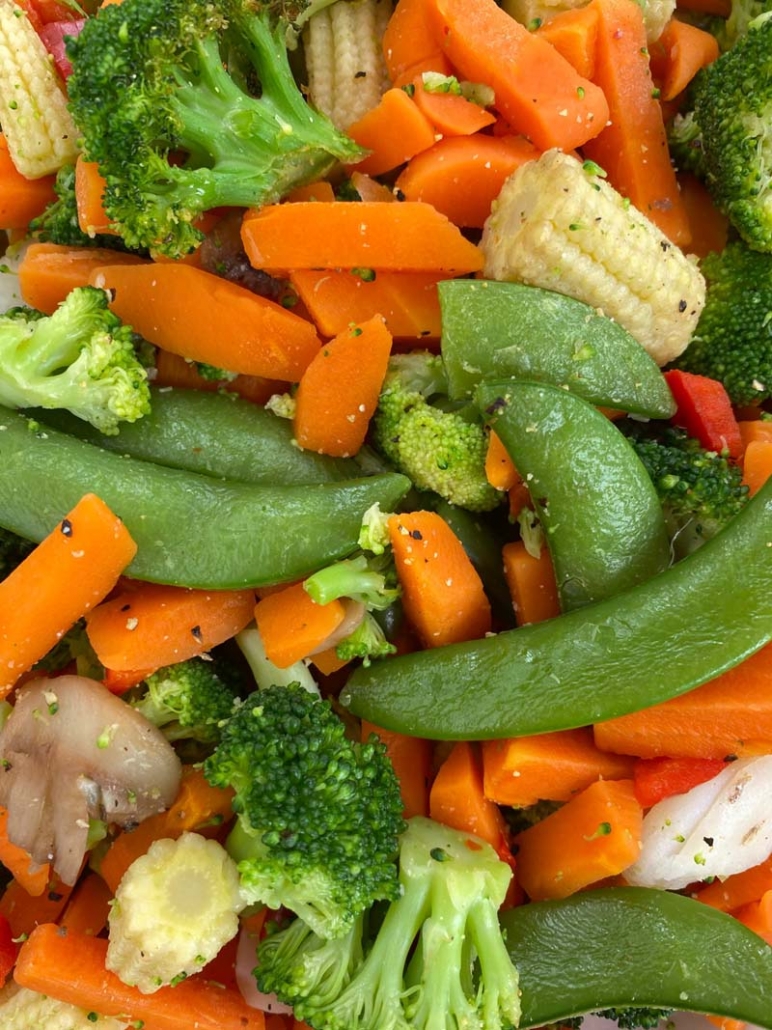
[
  {"x": 81, "y": 358},
  {"x": 623, "y": 947},
  {"x": 594, "y": 663},
  {"x": 497, "y": 330},
  {"x": 599, "y": 510},
  {"x": 439, "y": 450},
  {"x": 367, "y": 641},
  {"x": 437, "y": 958},
  {"x": 319, "y": 815},
  {"x": 210, "y": 84},
  {"x": 370, "y": 581},
  {"x": 190, "y": 530}
]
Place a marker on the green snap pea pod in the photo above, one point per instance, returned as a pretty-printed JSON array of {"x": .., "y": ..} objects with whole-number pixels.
[
  {"x": 653, "y": 642},
  {"x": 496, "y": 329},
  {"x": 634, "y": 947},
  {"x": 214, "y": 434},
  {"x": 601, "y": 515},
  {"x": 190, "y": 530}
]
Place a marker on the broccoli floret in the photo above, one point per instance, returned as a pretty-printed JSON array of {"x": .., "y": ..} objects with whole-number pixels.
[
  {"x": 367, "y": 641},
  {"x": 80, "y": 358},
  {"x": 13, "y": 550},
  {"x": 632, "y": 1019},
  {"x": 438, "y": 948},
  {"x": 743, "y": 12},
  {"x": 212, "y": 374},
  {"x": 319, "y": 815},
  {"x": 684, "y": 138},
  {"x": 700, "y": 490},
  {"x": 369, "y": 581},
  {"x": 440, "y": 450},
  {"x": 733, "y": 339},
  {"x": 187, "y": 701},
  {"x": 733, "y": 108},
  {"x": 186, "y": 106}
]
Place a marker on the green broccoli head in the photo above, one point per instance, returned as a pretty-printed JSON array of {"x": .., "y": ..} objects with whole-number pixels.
[
  {"x": 733, "y": 108},
  {"x": 439, "y": 450},
  {"x": 728, "y": 30},
  {"x": 636, "y": 1019},
  {"x": 700, "y": 491},
  {"x": 367, "y": 641},
  {"x": 733, "y": 339},
  {"x": 187, "y": 701},
  {"x": 371, "y": 581},
  {"x": 438, "y": 948},
  {"x": 319, "y": 814},
  {"x": 187, "y": 105},
  {"x": 81, "y": 358}
]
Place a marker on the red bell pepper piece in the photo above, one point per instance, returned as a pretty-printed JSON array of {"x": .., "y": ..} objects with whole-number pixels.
[
  {"x": 657, "y": 778},
  {"x": 705, "y": 412},
  {"x": 54, "y": 35},
  {"x": 8, "y": 950}
]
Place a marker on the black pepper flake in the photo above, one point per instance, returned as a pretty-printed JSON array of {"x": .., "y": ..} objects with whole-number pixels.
[
  {"x": 126, "y": 608},
  {"x": 682, "y": 306},
  {"x": 361, "y": 75},
  {"x": 54, "y": 896},
  {"x": 66, "y": 527},
  {"x": 196, "y": 631},
  {"x": 399, "y": 194},
  {"x": 498, "y": 405},
  {"x": 416, "y": 534},
  {"x": 708, "y": 841},
  {"x": 730, "y": 758}
]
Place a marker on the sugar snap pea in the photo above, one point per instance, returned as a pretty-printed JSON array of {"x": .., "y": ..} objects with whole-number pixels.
[
  {"x": 492, "y": 329},
  {"x": 601, "y": 515},
  {"x": 634, "y": 947},
  {"x": 653, "y": 642},
  {"x": 191, "y": 530}
]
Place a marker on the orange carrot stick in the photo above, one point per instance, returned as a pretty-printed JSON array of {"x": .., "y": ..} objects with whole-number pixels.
[
  {"x": 24, "y": 912},
  {"x": 21, "y": 199},
  {"x": 574, "y": 34},
  {"x": 449, "y": 113},
  {"x": 633, "y": 149},
  {"x": 61, "y": 580},
  {"x": 409, "y": 40},
  {"x": 457, "y": 799},
  {"x": 757, "y": 916},
  {"x": 554, "y": 766},
  {"x": 406, "y": 237},
  {"x": 537, "y": 91},
  {"x": 757, "y": 464},
  {"x": 338, "y": 392},
  {"x": 292, "y": 625},
  {"x": 89, "y": 906},
  {"x": 500, "y": 470},
  {"x": 531, "y": 583},
  {"x": 71, "y": 967},
  {"x": 173, "y": 370},
  {"x": 461, "y": 176},
  {"x": 594, "y": 835},
  {"x": 684, "y": 49},
  {"x": 443, "y": 595},
  {"x": 156, "y": 625},
  {"x": 201, "y": 316},
  {"x": 708, "y": 226},
  {"x": 754, "y": 429},
  {"x": 393, "y": 131},
  {"x": 412, "y": 761},
  {"x": 738, "y": 889},
  {"x": 32, "y": 877},
  {"x": 198, "y": 808},
  {"x": 89, "y": 189},
  {"x": 48, "y": 271}
]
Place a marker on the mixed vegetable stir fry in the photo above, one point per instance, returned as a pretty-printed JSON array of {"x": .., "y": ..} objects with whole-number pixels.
[{"x": 385, "y": 514}]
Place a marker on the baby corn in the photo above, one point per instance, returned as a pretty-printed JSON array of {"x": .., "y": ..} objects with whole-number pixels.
[{"x": 559, "y": 225}]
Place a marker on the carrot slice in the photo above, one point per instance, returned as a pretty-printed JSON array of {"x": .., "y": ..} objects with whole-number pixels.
[
  {"x": 531, "y": 583},
  {"x": 201, "y": 316},
  {"x": 461, "y": 176},
  {"x": 61, "y": 580},
  {"x": 708, "y": 226},
  {"x": 31, "y": 877},
  {"x": 406, "y": 237},
  {"x": 292, "y": 625},
  {"x": 633, "y": 148},
  {"x": 412, "y": 761},
  {"x": 537, "y": 91},
  {"x": 500, "y": 470},
  {"x": 574, "y": 34},
  {"x": 173, "y": 370},
  {"x": 393, "y": 131},
  {"x": 457, "y": 798},
  {"x": 449, "y": 113},
  {"x": 554, "y": 766},
  {"x": 757, "y": 916},
  {"x": 25, "y": 912},
  {"x": 443, "y": 595},
  {"x": 738, "y": 889},
  {"x": 89, "y": 189},
  {"x": 338, "y": 392},
  {"x": 48, "y": 271},
  {"x": 21, "y": 199},
  {"x": 595, "y": 835},
  {"x": 678, "y": 55},
  {"x": 757, "y": 464},
  {"x": 154, "y": 625},
  {"x": 89, "y": 906},
  {"x": 71, "y": 967},
  {"x": 409, "y": 40}
]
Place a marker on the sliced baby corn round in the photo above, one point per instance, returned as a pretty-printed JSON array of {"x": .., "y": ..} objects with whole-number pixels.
[
  {"x": 347, "y": 73},
  {"x": 23, "y": 1009},
  {"x": 559, "y": 225},
  {"x": 39, "y": 129}
]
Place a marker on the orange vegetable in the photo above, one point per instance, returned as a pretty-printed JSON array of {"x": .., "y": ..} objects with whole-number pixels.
[
  {"x": 393, "y": 131},
  {"x": 31, "y": 877},
  {"x": 726, "y": 1023},
  {"x": 708, "y": 226},
  {"x": 21, "y": 199},
  {"x": 201, "y": 316},
  {"x": 436, "y": 62},
  {"x": 88, "y": 907},
  {"x": 25, "y": 912},
  {"x": 71, "y": 967},
  {"x": 457, "y": 799},
  {"x": 633, "y": 149},
  {"x": 198, "y": 808},
  {"x": 574, "y": 34},
  {"x": 531, "y": 583},
  {"x": 754, "y": 429},
  {"x": 757, "y": 916},
  {"x": 594, "y": 835},
  {"x": 407, "y": 300},
  {"x": 89, "y": 189},
  {"x": 338, "y": 392},
  {"x": 757, "y": 464},
  {"x": 48, "y": 271},
  {"x": 678, "y": 55},
  {"x": 409, "y": 40},
  {"x": 61, "y": 580},
  {"x": 443, "y": 595},
  {"x": 173, "y": 370},
  {"x": 412, "y": 761},
  {"x": 730, "y": 715},
  {"x": 554, "y": 766},
  {"x": 500, "y": 470},
  {"x": 322, "y": 192},
  {"x": 405, "y": 237},
  {"x": 537, "y": 91},
  {"x": 739, "y": 889},
  {"x": 461, "y": 176},
  {"x": 154, "y": 625},
  {"x": 292, "y": 625},
  {"x": 449, "y": 113}
]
